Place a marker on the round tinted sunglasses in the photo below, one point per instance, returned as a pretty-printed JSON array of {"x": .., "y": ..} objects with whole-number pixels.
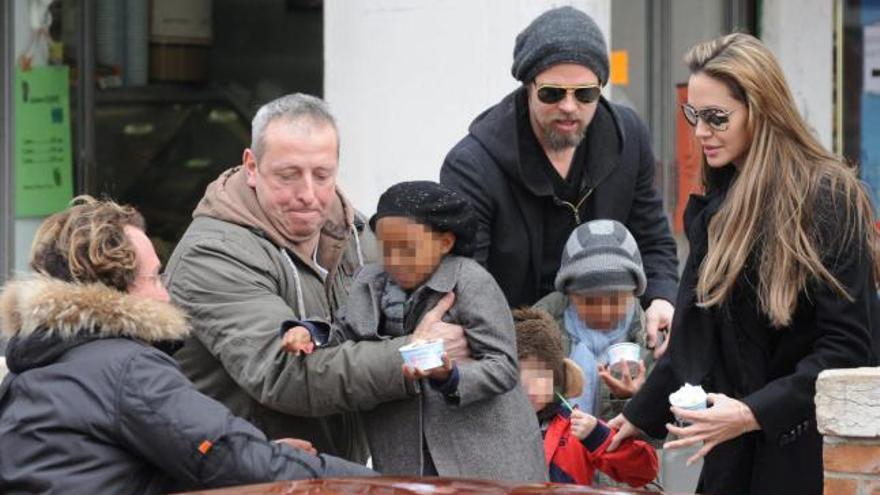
[
  {"x": 715, "y": 118},
  {"x": 554, "y": 93}
]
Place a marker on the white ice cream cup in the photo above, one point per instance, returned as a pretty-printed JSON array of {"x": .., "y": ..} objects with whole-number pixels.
[
  {"x": 624, "y": 352},
  {"x": 424, "y": 355},
  {"x": 694, "y": 401}
]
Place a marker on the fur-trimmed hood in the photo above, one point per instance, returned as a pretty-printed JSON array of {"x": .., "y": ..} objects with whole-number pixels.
[{"x": 40, "y": 304}]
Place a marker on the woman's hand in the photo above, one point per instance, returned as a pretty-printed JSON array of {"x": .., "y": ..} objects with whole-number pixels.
[
  {"x": 624, "y": 429},
  {"x": 727, "y": 418},
  {"x": 626, "y": 386}
]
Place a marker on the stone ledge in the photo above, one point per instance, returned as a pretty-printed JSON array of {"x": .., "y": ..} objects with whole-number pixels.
[{"x": 848, "y": 402}]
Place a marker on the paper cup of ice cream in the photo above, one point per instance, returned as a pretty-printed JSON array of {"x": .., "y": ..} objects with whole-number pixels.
[
  {"x": 424, "y": 355},
  {"x": 624, "y": 357},
  {"x": 690, "y": 397}
]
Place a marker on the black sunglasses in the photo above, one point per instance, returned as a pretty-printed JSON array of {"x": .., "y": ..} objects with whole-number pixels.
[
  {"x": 554, "y": 93},
  {"x": 717, "y": 119}
]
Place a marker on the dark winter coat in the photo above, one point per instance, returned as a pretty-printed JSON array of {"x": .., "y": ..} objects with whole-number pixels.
[
  {"x": 735, "y": 350},
  {"x": 91, "y": 406},
  {"x": 511, "y": 197},
  {"x": 240, "y": 286}
]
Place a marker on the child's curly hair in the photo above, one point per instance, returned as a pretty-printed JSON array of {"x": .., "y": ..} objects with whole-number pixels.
[{"x": 86, "y": 243}]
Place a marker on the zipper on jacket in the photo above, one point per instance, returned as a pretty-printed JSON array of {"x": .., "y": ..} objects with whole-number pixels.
[
  {"x": 423, "y": 442},
  {"x": 574, "y": 207}
]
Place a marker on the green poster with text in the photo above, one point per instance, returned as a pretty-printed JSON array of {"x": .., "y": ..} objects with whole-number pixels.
[{"x": 43, "y": 158}]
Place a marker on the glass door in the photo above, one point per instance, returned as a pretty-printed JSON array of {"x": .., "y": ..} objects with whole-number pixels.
[
  {"x": 859, "y": 105},
  {"x": 40, "y": 119}
]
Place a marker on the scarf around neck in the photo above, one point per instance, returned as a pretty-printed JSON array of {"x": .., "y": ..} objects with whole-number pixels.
[{"x": 588, "y": 348}]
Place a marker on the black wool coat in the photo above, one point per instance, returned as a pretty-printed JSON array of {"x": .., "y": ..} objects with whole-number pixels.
[
  {"x": 512, "y": 196},
  {"x": 735, "y": 350}
]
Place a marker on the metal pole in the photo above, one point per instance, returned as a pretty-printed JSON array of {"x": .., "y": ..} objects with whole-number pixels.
[
  {"x": 662, "y": 96},
  {"x": 85, "y": 115},
  {"x": 837, "y": 129},
  {"x": 7, "y": 138},
  {"x": 736, "y": 16}
]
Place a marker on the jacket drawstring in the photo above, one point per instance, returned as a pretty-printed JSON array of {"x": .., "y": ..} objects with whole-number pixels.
[
  {"x": 300, "y": 305},
  {"x": 357, "y": 245}
]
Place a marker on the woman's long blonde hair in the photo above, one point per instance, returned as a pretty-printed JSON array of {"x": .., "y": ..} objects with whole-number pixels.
[{"x": 778, "y": 197}]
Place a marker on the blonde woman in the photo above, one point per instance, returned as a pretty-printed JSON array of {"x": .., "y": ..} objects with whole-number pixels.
[{"x": 779, "y": 284}]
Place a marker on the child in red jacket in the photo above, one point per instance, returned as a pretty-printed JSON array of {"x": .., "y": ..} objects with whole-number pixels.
[{"x": 574, "y": 441}]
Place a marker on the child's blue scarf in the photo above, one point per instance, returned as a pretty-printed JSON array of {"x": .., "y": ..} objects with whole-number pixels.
[{"x": 588, "y": 348}]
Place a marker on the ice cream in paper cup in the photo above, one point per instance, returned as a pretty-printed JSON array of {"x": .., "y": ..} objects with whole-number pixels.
[
  {"x": 424, "y": 355},
  {"x": 624, "y": 356},
  {"x": 691, "y": 397}
]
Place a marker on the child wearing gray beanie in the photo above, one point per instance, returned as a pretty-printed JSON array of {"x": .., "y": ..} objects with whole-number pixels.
[
  {"x": 599, "y": 279},
  {"x": 601, "y": 256}
]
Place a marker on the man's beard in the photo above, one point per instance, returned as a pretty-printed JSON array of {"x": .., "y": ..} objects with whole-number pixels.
[{"x": 558, "y": 141}]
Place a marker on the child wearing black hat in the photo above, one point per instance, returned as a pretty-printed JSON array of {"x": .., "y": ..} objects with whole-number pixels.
[
  {"x": 575, "y": 441},
  {"x": 465, "y": 419}
]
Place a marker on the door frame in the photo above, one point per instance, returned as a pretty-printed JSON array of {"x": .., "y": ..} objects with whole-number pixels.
[{"x": 7, "y": 138}]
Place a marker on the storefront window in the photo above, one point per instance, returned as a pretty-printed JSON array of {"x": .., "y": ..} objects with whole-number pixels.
[
  {"x": 153, "y": 104},
  {"x": 861, "y": 90},
  {"x": 159, "y": 147},
  {"x": 40, "y": 55}
]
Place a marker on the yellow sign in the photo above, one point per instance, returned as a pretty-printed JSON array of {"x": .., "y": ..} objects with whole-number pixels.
[{"x": 619, "y": 67}]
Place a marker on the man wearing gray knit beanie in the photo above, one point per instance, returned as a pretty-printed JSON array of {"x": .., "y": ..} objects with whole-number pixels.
[{"x": 555, "y": 153}]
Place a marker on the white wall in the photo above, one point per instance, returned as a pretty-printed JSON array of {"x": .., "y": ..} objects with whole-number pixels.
[
  {"x": 406, "y": 77},
  {"x": 801, "y": 35}
]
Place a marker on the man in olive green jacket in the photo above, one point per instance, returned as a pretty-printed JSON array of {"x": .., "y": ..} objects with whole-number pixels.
[{"x": 272, "y": 242}]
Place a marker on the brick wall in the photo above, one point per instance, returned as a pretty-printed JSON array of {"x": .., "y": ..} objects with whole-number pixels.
[{"x": 848, "y": 414}]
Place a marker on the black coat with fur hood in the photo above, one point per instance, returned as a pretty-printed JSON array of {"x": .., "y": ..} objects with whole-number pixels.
[{"x": 90, "y": 405}]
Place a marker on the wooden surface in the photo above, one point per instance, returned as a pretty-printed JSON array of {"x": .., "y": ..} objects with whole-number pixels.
[{"x": 408, "y": 486}]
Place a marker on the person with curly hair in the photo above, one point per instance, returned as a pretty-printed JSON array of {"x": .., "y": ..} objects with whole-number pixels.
[{"x": 91, "y": 403}]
